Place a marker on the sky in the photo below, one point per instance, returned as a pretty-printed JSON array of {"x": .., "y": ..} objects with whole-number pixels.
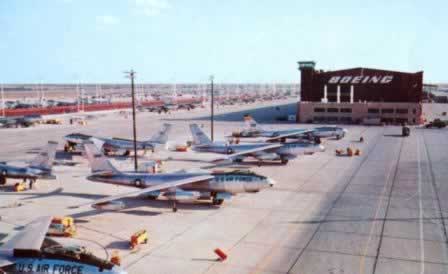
[{"x": 238, "y": 41}]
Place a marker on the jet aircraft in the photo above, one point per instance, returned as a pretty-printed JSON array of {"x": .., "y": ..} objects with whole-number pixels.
[
  {"x": 253, "y": 129},
  {"x": 176, "y": 186},
  {"x": 39, "y": 168},
  {"x": 261, "y": 151},
  {"x": 30, "y": 251},
  {"x": 118, "y": 145}
]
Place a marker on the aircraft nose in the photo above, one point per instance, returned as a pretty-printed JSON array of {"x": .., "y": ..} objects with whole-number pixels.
[
  {"x": 345, "y": 130},
  {"x": 271, "y": 182}
]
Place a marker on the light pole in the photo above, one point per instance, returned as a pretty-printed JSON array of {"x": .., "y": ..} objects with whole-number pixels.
[
  {"x": 212, "y": 105},
  {"x": 131, "y": 74}
]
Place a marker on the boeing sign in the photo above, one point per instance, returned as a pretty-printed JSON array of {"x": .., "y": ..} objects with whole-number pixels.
[{"x": 377, "y": 79}]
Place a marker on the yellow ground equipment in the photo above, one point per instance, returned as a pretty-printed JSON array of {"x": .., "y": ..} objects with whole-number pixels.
[
  {"x": 349, "y": 152},
  {"x": 53, "y": 122},
  {"x": 18, "y": 187},
  {"x": 140, "y": 237},
  {"x": 181, "y": 148},
  {"x": 115, "y": 258},
  {"x": 62, "y": 227}
]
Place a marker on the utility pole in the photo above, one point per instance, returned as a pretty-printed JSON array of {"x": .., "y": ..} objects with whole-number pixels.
[
  {"x": 212, "y": 105},
  {"x": 131, "y": 74}
]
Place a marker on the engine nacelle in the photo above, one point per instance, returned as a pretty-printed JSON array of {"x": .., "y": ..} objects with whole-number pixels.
[
  {"x": 114, "y": 205},
  {"x": 181, "y": 195},
  {"x": 268, "y": 156}
]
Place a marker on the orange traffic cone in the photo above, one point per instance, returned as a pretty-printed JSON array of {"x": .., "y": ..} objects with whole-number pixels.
[{"x": 221, "y": 254}]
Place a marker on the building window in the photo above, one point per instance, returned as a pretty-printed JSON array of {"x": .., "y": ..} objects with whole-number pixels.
[
  {"x": 414, "y": 111},
  {"x": 402, "y": 110},
  {"x": 332, "y": 119},
  {"x": 387, "y": 120},
  {"x": 346, "y": 119},
  {"x": 319, "y": 119},
  {"x": 401, "y": 120},
  {"x": 387, "y": 110},
  {"x": 319, "y": 110},
  {"x": 373, "y": 110},
  {"x": 332, "y": 110},
  {"x": 346, "y": 110}
]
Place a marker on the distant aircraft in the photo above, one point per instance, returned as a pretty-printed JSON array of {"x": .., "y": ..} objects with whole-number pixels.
[
  {"x": 254, "y": 130},
  {"x": 260, "y": 151},
  {"x": 178, "y": 186},
  {"x": 39, "y": 168},
  {"x": 116, "y": 145},
  {"x": 30, "y": 251}
]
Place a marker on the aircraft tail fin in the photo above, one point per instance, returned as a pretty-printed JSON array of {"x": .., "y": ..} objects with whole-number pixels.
[
  {"x": 98, "y": 162},
  {"x": 44, "y": 159},
  {"x": 199, "y": 137},
  {"x": 161, "y": 137}
]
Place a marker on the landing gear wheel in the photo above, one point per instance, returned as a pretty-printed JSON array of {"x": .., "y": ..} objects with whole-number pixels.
[
  {"x": 127, "y": 153},
  {"x": 2, "y": 180},
  {"x": 138, "y": 183},
  {"x": 284, "y": 161},
  {"x": 174, "y": 206},
  {"x": 32, "y": 182},
  {"x": 217, "y": 201}
]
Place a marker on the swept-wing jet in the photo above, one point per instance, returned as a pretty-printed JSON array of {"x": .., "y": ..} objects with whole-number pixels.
[
  {"x": 253, "y": 129},
  {"x": 39, "y": 168},
  {"x": 178, "y": 186},
  {"x": 30, "y": 251},
  {"x": 117, "y": 145},
  {"x": 261, "y": 151}
]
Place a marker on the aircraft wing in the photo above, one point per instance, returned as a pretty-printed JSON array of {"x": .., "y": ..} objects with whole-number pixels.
[
  {"x": 151, "y": 189},
  {"x": 291, "y": 134},
  {"x": 31, "y": 237},
  {"x": 247, "y": 152}
]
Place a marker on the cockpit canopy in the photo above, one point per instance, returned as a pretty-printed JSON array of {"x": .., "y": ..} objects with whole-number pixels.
[
  {"x": 78, "y": 136},
  {"x": 238, "y": 172}
]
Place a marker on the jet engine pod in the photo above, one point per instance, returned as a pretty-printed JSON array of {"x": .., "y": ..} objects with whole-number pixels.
[
  {"x": 181, "y": 195},
  {"x": 113, "y": 205},
  {"x": 268, "y": 156}
]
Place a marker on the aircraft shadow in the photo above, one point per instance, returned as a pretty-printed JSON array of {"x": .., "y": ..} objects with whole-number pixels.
[
  {"x": 393, "y": 135},
  {"x": 62, "y": 155},
  {"x": 123, "y": 245},
  {"x": 59, "y": 192}
]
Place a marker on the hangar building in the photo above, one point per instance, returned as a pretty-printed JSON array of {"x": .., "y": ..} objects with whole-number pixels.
[{"x": 359, "y": 95}]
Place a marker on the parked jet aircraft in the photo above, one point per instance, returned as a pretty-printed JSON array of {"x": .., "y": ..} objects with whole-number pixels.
[
  {"x": 39, "y": 167},
  {"x": 117, "y": 145},
  {"x": 260, "y": 151},
  {"x": 29, "y": 251},
  {"x": 178, "y": 186},
  {"x": 254, "y": 130}
]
